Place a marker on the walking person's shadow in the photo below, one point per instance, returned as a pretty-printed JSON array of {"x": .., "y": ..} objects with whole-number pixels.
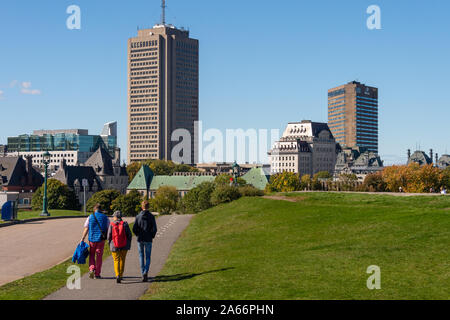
[{"x": 171, "y": 278}]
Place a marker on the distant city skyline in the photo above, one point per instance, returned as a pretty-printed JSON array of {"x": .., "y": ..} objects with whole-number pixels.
[{"x": 261, "y": 65}]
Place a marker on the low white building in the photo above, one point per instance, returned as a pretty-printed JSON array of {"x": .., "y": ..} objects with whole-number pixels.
[{"x": 305, "y": 148}]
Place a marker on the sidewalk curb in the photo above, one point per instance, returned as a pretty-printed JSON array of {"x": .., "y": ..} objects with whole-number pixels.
[{"x": 13, "y": 223}]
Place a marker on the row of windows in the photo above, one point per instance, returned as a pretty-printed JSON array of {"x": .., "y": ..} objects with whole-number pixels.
[
  {"x": 366, "y": 118},
  {"x": 142, "y": 44},
  {"x": 366, "y": 98},
  {"x": 141, "y": 73},
  {"x": 143, "y": 100},
  {"x": 338, "y": 101},
  {"x": 334, "y": 119},
  {"x": 336, "y": 114},
  {"x": 142, "y": 64},
  {"x": 133, "y": 83},
  {"x": 367, "y": 113},
  {"x": 336, "y": 93}
]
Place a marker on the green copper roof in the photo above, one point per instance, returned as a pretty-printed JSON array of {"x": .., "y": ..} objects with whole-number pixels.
[
  {"x": 179, "y": 182},
  {"x": 142, "y": 179},
  {"x": 258, "y": 177}
]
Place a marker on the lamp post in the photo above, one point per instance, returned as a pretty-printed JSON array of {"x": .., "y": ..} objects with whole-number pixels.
[
  {"x": 46, "y": 160},
  {"x": 236, "y": 172}
]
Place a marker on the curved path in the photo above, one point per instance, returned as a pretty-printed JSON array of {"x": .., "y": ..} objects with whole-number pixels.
[{"x": 131, "y": 288}]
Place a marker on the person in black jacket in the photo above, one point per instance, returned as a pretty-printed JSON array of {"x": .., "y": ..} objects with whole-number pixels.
[{"x": 145, "y": 230}]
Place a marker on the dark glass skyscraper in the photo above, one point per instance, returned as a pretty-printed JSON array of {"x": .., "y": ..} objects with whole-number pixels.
[{"x": 353, "y": 115}]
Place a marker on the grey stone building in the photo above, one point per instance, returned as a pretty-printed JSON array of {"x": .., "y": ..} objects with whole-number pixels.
[
  {"x": 420, "y": 157},
  {"x": 358, "y": 161},
  {"x": 101, "y": 171},
  {"x": 444, "y": 161},
  {"x": 305, "y": 148}
]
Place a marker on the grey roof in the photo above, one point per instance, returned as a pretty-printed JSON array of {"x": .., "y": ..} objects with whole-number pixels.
[
  {"x": 420, "y": 157},
  {"x": 13, "y": 172},
  {"x": 69, "y": 174},
  {"x": 102, "y": 162},
  {"x": 444, "y": 161},
  {"x": 368, "y": 159}
]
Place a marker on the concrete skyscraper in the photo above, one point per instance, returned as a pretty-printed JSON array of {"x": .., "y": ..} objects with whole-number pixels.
[
  {"x": 353, "y": 115},
  {"x": 163, "y": 90}
]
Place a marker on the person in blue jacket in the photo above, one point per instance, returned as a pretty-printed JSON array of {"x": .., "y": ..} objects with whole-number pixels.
[{"x": 97, "y": 226}]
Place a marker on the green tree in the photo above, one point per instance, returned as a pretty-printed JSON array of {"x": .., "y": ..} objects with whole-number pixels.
[
  {"x": 105, "y": 198},
  {"x": 284, "y": 182},
  {"x": 133, "y": 169},
  {"x": 184, "y": 168},
  {"x": 305, "y": 182},
  {"x": 224, "y": 194},
  {"x": 445, "y": 178},
  {"x": 325, "y": 175},
  {"x": 225, "y": 179},
  {"x": 129, "y": 204},
  {"x": 348, "y": 181},
  {"x": 374, "y": 182},
  {"x": 166, "y": 200},
  {"x": 59, "y": 197},
  {"x": 198, "y": 199}
]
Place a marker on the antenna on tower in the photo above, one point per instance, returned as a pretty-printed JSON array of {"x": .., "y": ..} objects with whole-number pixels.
[{"x": 163, "y": 17}]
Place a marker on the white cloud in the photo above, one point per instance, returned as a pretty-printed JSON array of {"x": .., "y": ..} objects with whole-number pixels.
[
  {"x": 31, "y": 91},
  {"x": 26, "y": 89},
  {"x": 13, "y": 83},
  {"x": 26, "y": 85},
  {"x": 1, "y": 95}
]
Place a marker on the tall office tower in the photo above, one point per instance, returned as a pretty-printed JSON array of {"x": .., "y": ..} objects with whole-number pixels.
[
  {"x": 353, "y": 115},
  {"x": 163, "y": 91}
]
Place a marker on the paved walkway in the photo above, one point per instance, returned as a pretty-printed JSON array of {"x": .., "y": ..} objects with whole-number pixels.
[
  {"x": 131, "y": 288},
  {"x": 36, "y": 246}
]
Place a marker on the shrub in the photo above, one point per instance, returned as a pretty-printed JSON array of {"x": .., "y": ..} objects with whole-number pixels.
[
  {"x": 105, "y": 198},
  {"x": 59, "y": 197},
  {"x": 166, "y": 200},
  {"x": 198, "y": 199},
  {"x": 224, "y": 194},
  {"x": 250, "y": 191},
  {"x": 374, "y": 183},
  {"x": 129, "y": 204}
]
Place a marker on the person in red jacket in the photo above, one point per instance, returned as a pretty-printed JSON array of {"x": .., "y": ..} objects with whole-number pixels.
[{"x": 119, "y": 237}]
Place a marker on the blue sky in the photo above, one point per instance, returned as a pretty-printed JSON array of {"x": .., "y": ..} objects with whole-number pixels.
[{"x": 262, "y": 64}]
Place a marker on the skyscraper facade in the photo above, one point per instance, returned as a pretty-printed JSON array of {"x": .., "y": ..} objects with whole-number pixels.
[
  {"x": 163, "y": 91},
  {"x": 353, "y": 115}
]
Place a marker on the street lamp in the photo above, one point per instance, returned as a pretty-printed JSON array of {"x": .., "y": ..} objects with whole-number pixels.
[
  {"x": 236, "y": 172},
  {"x": 46, "y": 160}
]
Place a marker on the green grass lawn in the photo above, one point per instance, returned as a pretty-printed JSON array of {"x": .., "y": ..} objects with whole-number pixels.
[
  {"x": 25, "y": 215},
  {"x": 316, "y": 248}
]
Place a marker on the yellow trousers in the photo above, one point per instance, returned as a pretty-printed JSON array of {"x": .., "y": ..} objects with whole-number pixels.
[{"x": 119, "y": 262}]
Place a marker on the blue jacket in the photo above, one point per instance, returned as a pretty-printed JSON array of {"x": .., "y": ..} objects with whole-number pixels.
[
  {"x": 95, "y": 234},
  {"x": 81, "y": 253}
]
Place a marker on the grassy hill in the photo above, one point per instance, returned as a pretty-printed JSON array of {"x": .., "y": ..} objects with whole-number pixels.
[{"x": 318, "y": 246}]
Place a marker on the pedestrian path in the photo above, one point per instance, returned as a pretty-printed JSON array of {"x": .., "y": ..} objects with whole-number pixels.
[{"x": 131, "y": 288}]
